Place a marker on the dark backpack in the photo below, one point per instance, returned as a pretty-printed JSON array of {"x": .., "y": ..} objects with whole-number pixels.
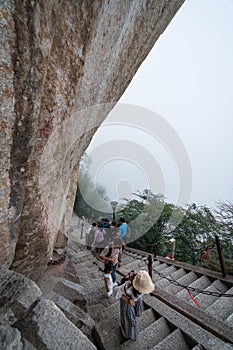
[
  {"x": 109, "y": 253},
  {"x": 108, "y": 267},
  {"x": 128, "y": 277}
]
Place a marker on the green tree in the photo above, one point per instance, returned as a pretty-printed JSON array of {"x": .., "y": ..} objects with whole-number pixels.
[
  {"x": 90, "y": 201},
  {"x": 195, "y": 233},
  {"x": 224, "y": 216},
  {"x": 147, "y": 218}
]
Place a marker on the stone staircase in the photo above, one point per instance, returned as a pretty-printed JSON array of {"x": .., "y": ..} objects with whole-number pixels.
[
  {"x": 80, "y": 294},
  {"x": 28, "y": 321},
  {"x": 200, "y": 279}
]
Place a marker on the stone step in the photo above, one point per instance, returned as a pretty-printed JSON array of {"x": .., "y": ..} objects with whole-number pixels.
[
  {"x": 86, "y": 270},
  {"x": 147, "y": 318},
  {"x": 108, "y": 333},
  {"x": 201, "y": 283},
  {"x": 191, "y": 331},
  {"x": 88, "y": 263},
  {"x": 72, "y": 291},
  {"x": 156, "y": 263},
  {"x": 105, "y": 311},
  {"x": 94, "y": 276},
  {"x": 174, "y": 341},
  {"x": 185, "y": 280},
  {"x": 206, "y": 300},
  {"x": 144, "y": 258},
  {"x": 149, "y": 336},
  {"x": 92, "y": 281},
  {"x": 78, "y": 317},
  {"x": 229, "y": 320},
  {"x": 222, "y": 308},
  {"x": 71, "y": 277},
  {"x": 168, "y": 271},
  {"x": 46, "y": 327},
  {"x": 74, "y": 249},
  {"x": 128, "y": 253},
  {"x": 17, "y": 294},
  {"x": 135, "y": 255},
  {"x": 126, "y": 259},
  {"x": 162, "y": 267},
  {"x": 10, "y": 338},
  {"x": 100, "y": 312},
  {"x": 136, "y": 265},
  {"x": 131, "y": 258},
  {"x": 174, "y": 276}
]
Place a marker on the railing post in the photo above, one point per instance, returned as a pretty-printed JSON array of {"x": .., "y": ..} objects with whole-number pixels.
[
  {"x": 220, "y": 255},
  {"x": 173, "y": 244},
  {"x": 149, "y": 265},
  {"x": 155, "y": 249}
]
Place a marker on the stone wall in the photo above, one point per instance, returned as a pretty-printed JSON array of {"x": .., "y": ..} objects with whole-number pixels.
[{"x": 60, "y": 61}]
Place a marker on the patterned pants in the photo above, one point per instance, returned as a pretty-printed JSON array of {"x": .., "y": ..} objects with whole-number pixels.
[{"x": 128, "y": 318}]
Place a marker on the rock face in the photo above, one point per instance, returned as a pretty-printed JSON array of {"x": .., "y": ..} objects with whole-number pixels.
[
  {"x": 58, "y": 59},
  {"x": 17, "y": 295},
  {"x": 30, "y": 322}
]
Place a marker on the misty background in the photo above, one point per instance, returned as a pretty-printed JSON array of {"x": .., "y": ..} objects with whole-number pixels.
[{"x": 187, "y": 80}]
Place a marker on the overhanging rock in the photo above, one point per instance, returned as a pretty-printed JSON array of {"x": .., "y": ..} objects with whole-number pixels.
[{"x": 56, "y": 60}]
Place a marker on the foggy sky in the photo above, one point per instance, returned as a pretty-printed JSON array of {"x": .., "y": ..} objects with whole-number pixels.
[{"x": 187, "y": 79}]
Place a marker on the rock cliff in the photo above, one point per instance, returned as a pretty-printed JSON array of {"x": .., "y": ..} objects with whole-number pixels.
[{"x": 60, "y": 61}]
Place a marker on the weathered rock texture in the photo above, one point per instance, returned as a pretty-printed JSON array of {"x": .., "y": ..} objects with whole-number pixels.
[
  {"x": 17, "y": 294},
  {"x": 29, "y": 322},
  {"x": 56, "y": 59}
]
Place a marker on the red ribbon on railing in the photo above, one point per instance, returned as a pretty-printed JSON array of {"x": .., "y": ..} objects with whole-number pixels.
[
  {"x": 193, "y": 299},
  {"x": 207, "y": 255}
]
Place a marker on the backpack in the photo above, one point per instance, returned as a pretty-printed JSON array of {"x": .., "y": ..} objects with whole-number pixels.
[
  {"x": 109, "y": 253},
  {"x": 108, "y": 266},
  {"x": 128, "y": 277}
]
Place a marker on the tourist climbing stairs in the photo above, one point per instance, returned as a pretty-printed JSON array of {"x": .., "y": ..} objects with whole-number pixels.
[{"x": 169, "y": 320}]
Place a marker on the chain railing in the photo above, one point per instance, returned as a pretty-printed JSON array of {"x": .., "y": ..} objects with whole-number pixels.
[
  {"x": 192, "y": 289},
  {"x": 170, "y": 280}
]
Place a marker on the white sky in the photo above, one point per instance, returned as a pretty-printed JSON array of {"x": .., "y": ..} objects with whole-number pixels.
[{"x": 188, "y": 80}]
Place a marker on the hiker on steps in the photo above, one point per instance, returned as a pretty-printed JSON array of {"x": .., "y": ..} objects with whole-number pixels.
[
  {"x": 91, "y": 235},
  {"x": 110, "y": 233},
  {"x": 123, "y": 231},
  {"x": 112, "y": 253},
  {"x": 108, "y": 278},
  {"x": 130, "y": 294},
  {"x": 99, "y": 238}
]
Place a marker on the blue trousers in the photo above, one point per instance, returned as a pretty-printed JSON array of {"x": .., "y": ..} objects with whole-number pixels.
[{"x": 114, "y": 273}]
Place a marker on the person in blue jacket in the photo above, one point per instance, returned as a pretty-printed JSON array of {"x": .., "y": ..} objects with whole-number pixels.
[{"x": 123, "y": 228}]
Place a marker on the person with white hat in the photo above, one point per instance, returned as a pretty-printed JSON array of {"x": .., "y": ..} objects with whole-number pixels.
[{"x": 131, "y": 301}]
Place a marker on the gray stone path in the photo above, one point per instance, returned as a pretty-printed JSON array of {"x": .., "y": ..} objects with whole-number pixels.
[
  {"x": 79, "y": 292},
  {"x": 77, "y": 288}
]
